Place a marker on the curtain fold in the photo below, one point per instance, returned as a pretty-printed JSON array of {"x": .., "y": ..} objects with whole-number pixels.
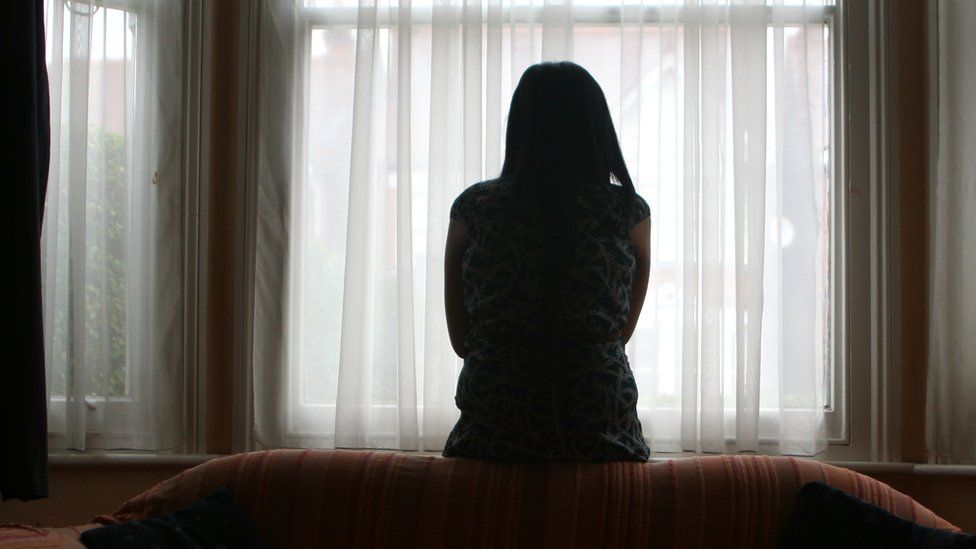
[
  {"x": 25, "y": 157},
  {"x": 951, "y": 414},
  {"x": 381, "y": 120},
  {"x": 272, "y": 170},
  {"x": 112, "y": 238}
]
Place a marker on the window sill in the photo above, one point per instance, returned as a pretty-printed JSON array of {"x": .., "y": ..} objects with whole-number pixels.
[
  {"x": 80, "y": 459},
  {"x": 190, "y": 460},
  {"x": 935, "y": 469}
]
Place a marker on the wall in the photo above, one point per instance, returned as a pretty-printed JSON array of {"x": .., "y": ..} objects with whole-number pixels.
[
  {"x": 78, "y": 493},
  {"x": 950, "y": 496},
  {"x": 911, "y": 103}
]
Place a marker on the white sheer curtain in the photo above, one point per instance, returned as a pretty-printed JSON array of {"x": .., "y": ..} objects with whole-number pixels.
[
  {"x": 952, "y": 355},
  {"x": 373, "y": 117},
  {"x": 112, "y": 229}
]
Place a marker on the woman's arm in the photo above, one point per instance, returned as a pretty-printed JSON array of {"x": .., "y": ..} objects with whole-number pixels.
[
  {"x": 640, "y": 235},
  {"x": 458, "y": 323}
]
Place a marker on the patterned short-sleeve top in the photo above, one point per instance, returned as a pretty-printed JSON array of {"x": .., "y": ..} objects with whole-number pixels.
[{"x": 525, "y": 395}]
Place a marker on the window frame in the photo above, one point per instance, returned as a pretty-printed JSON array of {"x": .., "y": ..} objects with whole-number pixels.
[
  {"x": 131, "y": 404},
  {"x": 864, "y": 370},
  {"x": 866, "y": 329},
  {"x": 118, "y": 405}
]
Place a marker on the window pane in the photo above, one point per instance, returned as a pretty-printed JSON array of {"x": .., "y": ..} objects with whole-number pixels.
[
  {"x": 647, "y": 104},
  {"x": 105, "y": 168},
  {"x": 323, "y": 209},
  {"x": 112, "y": 241}
]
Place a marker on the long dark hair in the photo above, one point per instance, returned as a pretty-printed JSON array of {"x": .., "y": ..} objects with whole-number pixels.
[{"x": 560, "y": 142}]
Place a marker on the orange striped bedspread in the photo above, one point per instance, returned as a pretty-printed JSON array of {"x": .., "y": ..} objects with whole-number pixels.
[{"x": 345, "y": 498}]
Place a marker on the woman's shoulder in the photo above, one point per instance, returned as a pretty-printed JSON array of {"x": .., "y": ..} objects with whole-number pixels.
[
  {"x": 482, "y": 188},
  {"x": 473, "y": 196}
]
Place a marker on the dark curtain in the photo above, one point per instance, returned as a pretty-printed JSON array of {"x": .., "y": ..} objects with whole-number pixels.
[{"x": 24, "y": 152}]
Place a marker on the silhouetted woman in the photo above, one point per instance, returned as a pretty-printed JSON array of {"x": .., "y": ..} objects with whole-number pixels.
[{"x": 546, "y": 270}]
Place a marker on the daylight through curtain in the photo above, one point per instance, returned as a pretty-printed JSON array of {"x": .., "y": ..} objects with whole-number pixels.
[
  {"x": 374, "y": 116},
  {"x": 112, "y": 227}
]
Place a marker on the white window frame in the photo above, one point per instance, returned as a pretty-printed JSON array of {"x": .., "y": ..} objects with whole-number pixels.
[
  {"x": 128, "y": 406},
  {"x": 116, "y": 406},
  {"x": 861, "y": 415}
]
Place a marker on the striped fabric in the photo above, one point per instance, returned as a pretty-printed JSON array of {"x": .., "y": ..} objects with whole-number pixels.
[
  {"x": 342, "y": 498},
  {"x": 22, "y": 536}
]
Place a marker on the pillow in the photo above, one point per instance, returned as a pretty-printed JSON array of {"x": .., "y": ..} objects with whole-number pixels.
[
  {"x": 827, "y": 517},
  {"x": 213, "y": 521}
]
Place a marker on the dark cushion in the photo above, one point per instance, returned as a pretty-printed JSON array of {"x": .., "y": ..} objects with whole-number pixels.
[
  {"x": 827, "y": 517},
  {"x": 213, "y": 521}
]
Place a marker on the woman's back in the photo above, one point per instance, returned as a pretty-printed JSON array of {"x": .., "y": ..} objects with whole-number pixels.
[
  {"x": 504, "y": 277},
  {"x": 541, "y": 382}
]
